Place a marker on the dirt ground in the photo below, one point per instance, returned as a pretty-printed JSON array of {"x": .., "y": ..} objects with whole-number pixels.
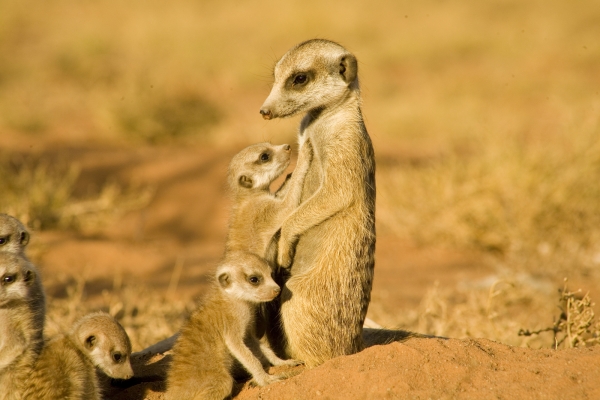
[{"x": 186, "y": 223}]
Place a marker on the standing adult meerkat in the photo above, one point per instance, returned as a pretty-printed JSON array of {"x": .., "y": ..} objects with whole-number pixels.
[
  {"x": 221, "y": 330},
  {"x": 22, "y": 310},
  {"x": 66, "y": 367},
  {"x": 14, "y": 237},
  {"x": 325, "y": 300}
]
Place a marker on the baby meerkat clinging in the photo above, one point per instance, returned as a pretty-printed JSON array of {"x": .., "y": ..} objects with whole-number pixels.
[
  {"x": 22, "y": 310},
  {"x": 256, "y": 212},
  {"x": 221, "y": 330},
  {"x": 13, "y": 235},
  {"x": 333, "y": 229},
  {"x": 66, "y": 368}
]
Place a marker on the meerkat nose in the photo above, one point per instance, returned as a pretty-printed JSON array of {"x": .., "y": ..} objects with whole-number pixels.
[
  {"x": 287, "y": 147},
  {"x": 276, "y": 290},
  {"x": 266, "y": 114}
]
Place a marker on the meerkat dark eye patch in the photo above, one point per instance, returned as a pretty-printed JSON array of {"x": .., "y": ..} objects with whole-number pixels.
[
  {"x": 298, "y": 80},
  {"x": 264, "y": 157},
  {"x": 254, "y": 280},
  {"x": 118, "y": 357},
  {"x": 8, "y": 279}
]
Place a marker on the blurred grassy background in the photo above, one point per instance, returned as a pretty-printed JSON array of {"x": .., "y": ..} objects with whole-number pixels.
[{"x": 485, "y": 118}]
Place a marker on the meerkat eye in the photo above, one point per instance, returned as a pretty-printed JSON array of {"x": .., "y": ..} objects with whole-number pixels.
[
  {"x": 264, "y": 157},
  {"x": 300, "y": 79},
  {"x": 118, "y": 357},
  {"x": 8, "y": 279},
  {"x": 254, "y": 280},
  {"x": 3, "y": 240}
]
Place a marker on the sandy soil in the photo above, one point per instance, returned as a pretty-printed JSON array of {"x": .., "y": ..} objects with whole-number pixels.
[
  {"x": 417, "y": 369},
  {"x": 187, "y": 220}
]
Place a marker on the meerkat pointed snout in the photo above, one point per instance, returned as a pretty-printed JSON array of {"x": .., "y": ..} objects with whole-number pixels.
[{"x": 315, "y": 74}]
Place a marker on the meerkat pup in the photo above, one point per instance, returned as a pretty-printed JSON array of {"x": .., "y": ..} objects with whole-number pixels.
[
  {"x": 22, "y": 310},
  {"x": 332, "y": 233},
  {"x": 256, "y": 212},
  {"x": 66, "y": 367},
  {"x": 221, "y": 330},
  {"x": 13, "y": 235}
]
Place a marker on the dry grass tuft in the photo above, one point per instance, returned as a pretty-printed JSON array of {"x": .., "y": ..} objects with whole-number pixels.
[
  {"x": 41, "y": 194},
  {"x": 576, "y": 325},
  {"x": 155, "y": 318}
]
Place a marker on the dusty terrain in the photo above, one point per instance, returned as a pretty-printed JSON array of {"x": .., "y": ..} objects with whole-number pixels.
[
  {"x": 187, "y": 220},
  {"x": 118, "y": 120}
]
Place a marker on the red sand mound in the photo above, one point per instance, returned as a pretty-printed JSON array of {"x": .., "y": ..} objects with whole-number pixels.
[{"x": 424, "y": 369}]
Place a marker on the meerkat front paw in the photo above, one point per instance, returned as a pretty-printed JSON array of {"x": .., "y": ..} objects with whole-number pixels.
[
  {"x": 268, "y": 379},
  {"x": 292, "y": 363}
]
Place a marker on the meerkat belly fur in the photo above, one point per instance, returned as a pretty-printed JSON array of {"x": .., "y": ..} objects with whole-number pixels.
[
  {"x": 22, "y": 310},
  {"x": 221, "y": 330},
  {"x": 66, "y": 367},
  {"x": 324, "y": 302}
]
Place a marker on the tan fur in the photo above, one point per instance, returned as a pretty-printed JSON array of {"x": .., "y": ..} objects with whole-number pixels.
[
  {"x": 66, "y": 368},
  {"x": 13, "y": 235},
  {"x": 221, "y": 330},
  {"x": 256, "y": 212},
  {"x": 22, "y": 309},
  {"x": 325, "y": 301}
]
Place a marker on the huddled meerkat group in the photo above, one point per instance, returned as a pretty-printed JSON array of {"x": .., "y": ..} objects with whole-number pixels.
[
  {"x": 295, "y": 280},
  {"x": 63, "y": 367}
]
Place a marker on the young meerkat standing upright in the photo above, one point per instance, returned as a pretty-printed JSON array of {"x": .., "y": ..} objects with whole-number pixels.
[
  {"x": 66, "y": 367},
  {"x": 22, "y": 310},
  {"x": 324, "y": 302},
  {"x": 257, "y": 213},
  {"x": 221, "y": 330},
  {"x": 13, "y": 235}
]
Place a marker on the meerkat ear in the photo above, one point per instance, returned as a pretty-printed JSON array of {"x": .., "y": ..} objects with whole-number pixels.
[
  {"x": 224, "y": 280},
  {"x": 245, "y": 181},
  {"x": 348, "y": 68},
  {"x": 29, "y": 276},
  {"x": 90, "y": 342},
  {"x": 24, "y": 238}
]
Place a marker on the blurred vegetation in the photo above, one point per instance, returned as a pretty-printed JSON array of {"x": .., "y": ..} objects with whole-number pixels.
[
  {"x": 485, "y": 118},
  {"x": 41, "y": 194}
]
